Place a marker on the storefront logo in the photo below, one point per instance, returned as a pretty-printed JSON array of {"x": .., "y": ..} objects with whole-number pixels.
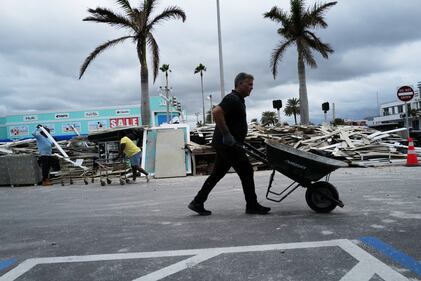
[
  {"x": 122, "y": 122},
  {"x": 61, "y": 115},
  {"x": 30, "y": 118},
  {"x": 90, "y": 114},
  {"x": 122, "y": 111}
]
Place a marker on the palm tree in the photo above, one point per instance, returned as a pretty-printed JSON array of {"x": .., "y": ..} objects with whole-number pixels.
[
  {"x": 296, "y": 30},
  {"x": 200, "y": 69},
  {"x": 292, "y": 108},
  {"x": 140, "y": 24},
  {"x": 269, "y": 117},
  {"x": 166, "y": 68}
]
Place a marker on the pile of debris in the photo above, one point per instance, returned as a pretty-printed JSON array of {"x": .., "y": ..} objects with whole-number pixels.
[{"x": 357, "y": 146}]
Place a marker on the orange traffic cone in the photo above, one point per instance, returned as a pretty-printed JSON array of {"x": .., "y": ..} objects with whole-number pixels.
[{"x": 411, "y": 157}]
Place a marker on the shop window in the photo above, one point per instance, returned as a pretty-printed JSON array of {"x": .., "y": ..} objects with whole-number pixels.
[
  {"x": 385, "y": 111},
  {"x": 400, "y": 108}
]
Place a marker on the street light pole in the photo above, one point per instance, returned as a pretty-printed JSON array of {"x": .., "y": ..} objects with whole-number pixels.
[
  {"x": 168, "y": 104},
  {"x": 197, "y": 117},
  {"x": 167, "y": 101},
  {"x": 221, "y": 62},
  {"x": 211, "y": 107}
]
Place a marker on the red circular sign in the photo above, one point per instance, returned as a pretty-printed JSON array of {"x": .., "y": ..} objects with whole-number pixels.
[{"x": 405, "y": 93}]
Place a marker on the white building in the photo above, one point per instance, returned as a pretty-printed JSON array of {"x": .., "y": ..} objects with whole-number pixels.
[{"x": 392, "y": 114}]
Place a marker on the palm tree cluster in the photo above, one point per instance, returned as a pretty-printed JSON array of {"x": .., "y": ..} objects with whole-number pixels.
[{"x": 139, "y": 22}]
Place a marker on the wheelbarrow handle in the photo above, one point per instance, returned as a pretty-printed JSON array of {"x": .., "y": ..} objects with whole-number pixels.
[{"x": 247, "y": 148}]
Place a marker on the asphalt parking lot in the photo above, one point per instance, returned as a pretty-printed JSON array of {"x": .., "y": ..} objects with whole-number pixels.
[{"x": 144, "y": 231}]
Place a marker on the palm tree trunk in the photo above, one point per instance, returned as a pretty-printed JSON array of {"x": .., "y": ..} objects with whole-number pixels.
[
  {"x": 145, "y": 110},
  {"x": 304, "y": 116},
  {"x": 295, "y": 117},
  {"x": 203, "y": 99},
  {"x": 167, "y": 96}
]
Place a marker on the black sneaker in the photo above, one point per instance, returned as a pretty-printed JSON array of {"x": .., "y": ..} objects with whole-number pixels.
[
  {"x": 198, "y": 208},
  {"x": 257, "y": 209}
]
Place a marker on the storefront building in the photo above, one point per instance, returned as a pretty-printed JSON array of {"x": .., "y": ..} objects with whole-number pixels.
[{"x": 68, "y": 123}]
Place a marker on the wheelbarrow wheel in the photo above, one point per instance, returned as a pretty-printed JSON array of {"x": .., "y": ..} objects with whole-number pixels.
[{"x": 318, "y": 194}]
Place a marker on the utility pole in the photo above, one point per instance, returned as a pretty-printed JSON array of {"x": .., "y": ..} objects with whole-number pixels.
[{"x": 221, "y": 62}]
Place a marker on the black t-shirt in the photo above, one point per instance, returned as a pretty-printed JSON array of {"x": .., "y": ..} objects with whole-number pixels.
[{"x": 235, "y": 117}]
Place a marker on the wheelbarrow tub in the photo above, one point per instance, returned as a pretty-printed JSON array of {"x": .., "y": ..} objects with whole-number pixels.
[{"x": 301, "y": 166}]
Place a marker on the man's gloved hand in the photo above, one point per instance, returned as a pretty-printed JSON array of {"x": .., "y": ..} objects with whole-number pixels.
[
  {"x": 228, "y": 139},
  {"x": 39, "y": 126}
]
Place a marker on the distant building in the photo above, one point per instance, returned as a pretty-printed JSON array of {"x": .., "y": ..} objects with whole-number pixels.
[
  {"x": 65, "y": 124},
  {"x": 355, "y": 122},
  {"x": 392, "y": 114}
]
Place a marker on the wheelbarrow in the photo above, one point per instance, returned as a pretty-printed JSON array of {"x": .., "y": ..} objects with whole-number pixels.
[{"x": 305, "y": 169}]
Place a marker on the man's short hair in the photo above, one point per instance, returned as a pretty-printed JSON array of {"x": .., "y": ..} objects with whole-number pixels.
[{"x": 241, "y": 77}]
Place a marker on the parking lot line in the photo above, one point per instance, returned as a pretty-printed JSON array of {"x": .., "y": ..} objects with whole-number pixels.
[
  {"x": 365, "y": 269},
  {"x": 396, "y": 255},
  {"x": 7, "y": 263}
]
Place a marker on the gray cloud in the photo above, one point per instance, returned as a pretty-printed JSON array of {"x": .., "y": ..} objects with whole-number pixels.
[{"x": 44, "y": 43}]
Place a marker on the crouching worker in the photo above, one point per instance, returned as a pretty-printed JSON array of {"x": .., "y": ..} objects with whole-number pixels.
[
  {"x": 45, "y": 150},
  {"x": 134, "y": 153}
]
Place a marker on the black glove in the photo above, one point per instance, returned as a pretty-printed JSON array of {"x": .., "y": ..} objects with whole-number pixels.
[
  {"x": 39, "y": 126},
  {"x": 228, "y": 139}
]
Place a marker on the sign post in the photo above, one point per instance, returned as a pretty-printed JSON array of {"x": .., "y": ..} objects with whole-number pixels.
[
  {"x": 277, "y": 104},
  {"x": 405, "y": 94},
  {"x": 325, "y": 108}
]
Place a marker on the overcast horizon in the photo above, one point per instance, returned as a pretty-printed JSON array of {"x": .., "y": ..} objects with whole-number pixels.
[{"x": 44, "y": 43}]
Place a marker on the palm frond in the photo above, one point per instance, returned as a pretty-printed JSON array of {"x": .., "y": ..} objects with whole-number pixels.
[
  {"x": 148, "y": 6},
  {"x": 277, "y": 15},
  {"x": 315, "y": 16},
  {"x": 155, "y": 55},
  {"x": 125, "y": 5},
  {"x": 318, "y": 45},
  {"x": 277, "y": 55},
  {"x": 104, "y": 15},
  {"x": 169, "y": 13},
  {"x": 99, "y": 50}
]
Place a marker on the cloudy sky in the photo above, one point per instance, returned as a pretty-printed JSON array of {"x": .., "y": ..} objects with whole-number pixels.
[{"x": 43, "y": 43}]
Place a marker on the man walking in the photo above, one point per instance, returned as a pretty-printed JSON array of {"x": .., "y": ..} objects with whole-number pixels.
[{"x": 230, "y": 132}]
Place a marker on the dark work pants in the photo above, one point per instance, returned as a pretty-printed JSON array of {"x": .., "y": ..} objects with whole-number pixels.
[
  {"x": 227, "y": 157},
  {"x": 45, "y": 162}
]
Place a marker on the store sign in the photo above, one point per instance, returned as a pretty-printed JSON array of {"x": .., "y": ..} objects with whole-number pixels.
[
  {"x": 29, "y": 118},
  {"x": 122, "y": 111},
  {"x": 122, "y": 122},
  {"x": 91, "y": 114},
  {"x": 61, "y": 115}
]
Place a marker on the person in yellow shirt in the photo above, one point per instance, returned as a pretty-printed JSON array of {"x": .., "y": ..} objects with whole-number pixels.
[{"x": 134, "y": 153}]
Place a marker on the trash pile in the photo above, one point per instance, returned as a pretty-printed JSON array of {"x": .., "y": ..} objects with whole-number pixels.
[{"x": 356, "y": 145}]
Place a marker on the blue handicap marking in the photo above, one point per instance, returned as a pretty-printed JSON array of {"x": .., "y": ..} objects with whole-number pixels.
[
  {"x": 6, "y": 263},
  {"x": 396, "y": 255}
]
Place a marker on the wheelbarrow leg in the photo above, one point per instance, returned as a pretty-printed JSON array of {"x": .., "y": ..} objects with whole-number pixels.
[
  {"x": 270, "y": 183},
  {"x": 289, "y": 189}
]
